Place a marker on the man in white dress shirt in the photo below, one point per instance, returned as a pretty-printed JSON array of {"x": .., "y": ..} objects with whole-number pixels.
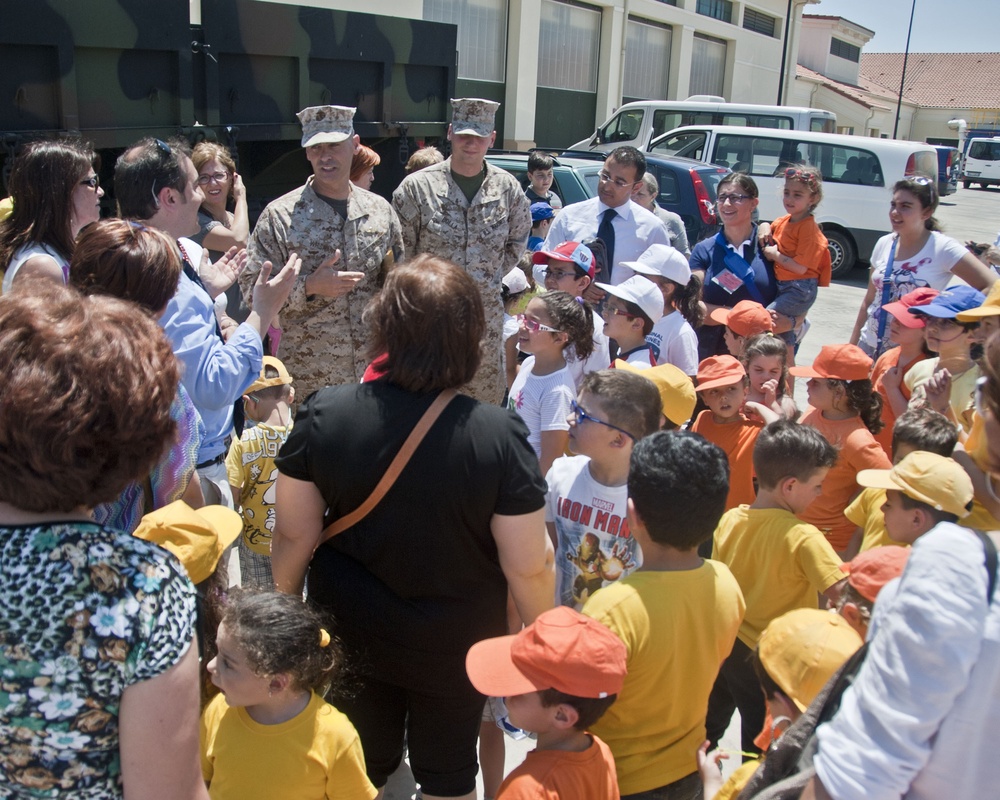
[{"x": 626, "y": 228}]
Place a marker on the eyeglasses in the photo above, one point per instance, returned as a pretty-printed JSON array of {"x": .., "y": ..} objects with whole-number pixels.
[
  {"x": 218, "y": 177},
  {"x": 578, "y": 415},
  {"x": 735, "y": 199},
  {"x": 93, "y": 182},
  {"x": 559, "y": 274},
  {"x": 534, "y": 326},
  {"x": 605, "y": 177},
  {"x": 618, "y": 312}
]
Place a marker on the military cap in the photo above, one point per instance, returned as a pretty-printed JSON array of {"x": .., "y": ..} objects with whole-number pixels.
[
  {"x": 473, "y": 115},
  {"x": 322, "y": 124}
]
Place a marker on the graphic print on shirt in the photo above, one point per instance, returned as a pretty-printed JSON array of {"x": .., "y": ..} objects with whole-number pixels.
[{"x": 595, "y": 546}]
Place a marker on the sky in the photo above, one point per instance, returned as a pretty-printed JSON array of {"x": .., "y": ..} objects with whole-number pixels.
[{"x": 939, "y": 26}]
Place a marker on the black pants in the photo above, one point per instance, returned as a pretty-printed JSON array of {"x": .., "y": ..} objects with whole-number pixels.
[{"x": 736, "y": 687}]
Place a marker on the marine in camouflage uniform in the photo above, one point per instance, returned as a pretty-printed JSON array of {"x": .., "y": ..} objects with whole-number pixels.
[
  {"x": 486, "y": 236},
  {"x": 323, "y": 339}
]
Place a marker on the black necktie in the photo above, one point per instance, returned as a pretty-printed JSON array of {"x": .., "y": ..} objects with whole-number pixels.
[{"x": 606, "y": 233}]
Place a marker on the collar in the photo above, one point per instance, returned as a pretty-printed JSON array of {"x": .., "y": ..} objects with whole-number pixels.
[
  {"x": 738, "y": 249},
  {"x": 624, "y": 211}
]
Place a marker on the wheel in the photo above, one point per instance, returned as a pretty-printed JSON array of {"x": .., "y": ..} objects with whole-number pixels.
[
  {"x": 966, "y": 184},
  {"x": 843, "y": 253}
]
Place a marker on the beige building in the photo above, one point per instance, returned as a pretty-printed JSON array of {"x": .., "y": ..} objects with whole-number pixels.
[
  {"x": 561, "y": 67},
  {"x": 863, "y": 88}
]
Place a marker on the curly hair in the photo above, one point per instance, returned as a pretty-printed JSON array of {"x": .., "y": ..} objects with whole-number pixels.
[
  {"x": 925, "y": 190},
  {"x": 865, "y": 402},
  {"x": 572, "y": 316},
  {"x": 281, "y": 634},
  {"x": 126, "y": 260},
  {"x": 42, "y": 182},
  {"x": 86, "y": 397},
  {"x": 429, "y": 319}
]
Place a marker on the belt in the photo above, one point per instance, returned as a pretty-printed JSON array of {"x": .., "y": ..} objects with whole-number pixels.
[{"x": 211, "y": 462}]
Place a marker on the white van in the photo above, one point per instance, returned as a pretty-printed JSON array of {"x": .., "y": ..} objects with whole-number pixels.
[
  {"x": 858, "y": 175},
  {"x": 982, "y": 163},
  {"x": 638, "y": 123}
]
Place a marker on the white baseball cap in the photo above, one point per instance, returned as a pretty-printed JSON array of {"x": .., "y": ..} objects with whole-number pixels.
[
  {"x": 641, "y": 291},
  {"x": 662, "y": 260}
]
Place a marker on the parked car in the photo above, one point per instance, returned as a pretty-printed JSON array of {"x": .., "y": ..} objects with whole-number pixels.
[
  {"x": 948, "y": 169},
  {"x": 686, "y": 187},
  {"x": 982, "y": 163},
  {"x": 857, "y": 175}
]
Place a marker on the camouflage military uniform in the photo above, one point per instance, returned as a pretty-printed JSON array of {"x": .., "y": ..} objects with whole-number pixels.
[
  {"x": 486, "y": 238},
  {"x": 323, "y": 341}
]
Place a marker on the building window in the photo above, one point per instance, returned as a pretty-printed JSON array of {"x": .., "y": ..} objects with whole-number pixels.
[
  {"x": 760, "y": 22},
  {"x": 847, "y": 130},
  {"x": 717, "y": 9},
  {"x": 842, "y": 49},
  {"x": 708, "y": 66},
  {"x": 647, "y": 60},
  {"x": 482, "y": 35},
  {"x": 668, "y": 2},
  {"x": 569, "y": 44}
]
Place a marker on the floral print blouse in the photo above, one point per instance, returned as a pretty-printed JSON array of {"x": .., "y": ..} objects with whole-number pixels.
[{"x": 85, "y": 612}]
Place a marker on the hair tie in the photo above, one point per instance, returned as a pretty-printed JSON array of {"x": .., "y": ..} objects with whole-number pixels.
[
  {"x": 324, "y": 637},
  {"x": 579, "y": 300}
]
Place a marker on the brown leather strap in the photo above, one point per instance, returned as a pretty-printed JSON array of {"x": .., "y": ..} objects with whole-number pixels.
[{"x": 412, "y": 442}]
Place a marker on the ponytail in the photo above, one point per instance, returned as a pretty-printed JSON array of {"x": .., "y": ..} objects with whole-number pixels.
[
  {"x": 864, "y": 400},
  {"x": 574, "y": 317}
]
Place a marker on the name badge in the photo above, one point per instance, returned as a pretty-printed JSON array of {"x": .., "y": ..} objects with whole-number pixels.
[{"x": 728, "y": 280}]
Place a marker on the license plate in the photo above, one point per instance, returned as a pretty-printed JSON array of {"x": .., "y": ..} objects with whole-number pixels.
[{"x": 972, "y": 174}]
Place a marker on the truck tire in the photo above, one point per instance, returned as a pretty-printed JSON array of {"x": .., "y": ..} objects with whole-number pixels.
[
  {"x": 966, "y": 184},
  {"x": 843, "y": 253}
]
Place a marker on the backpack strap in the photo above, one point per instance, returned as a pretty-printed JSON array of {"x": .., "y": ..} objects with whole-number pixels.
[{"x": 991, "y": 562}]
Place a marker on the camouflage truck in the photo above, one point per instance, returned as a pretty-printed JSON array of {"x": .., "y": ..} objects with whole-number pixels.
[{"x": 233, "y": 71}]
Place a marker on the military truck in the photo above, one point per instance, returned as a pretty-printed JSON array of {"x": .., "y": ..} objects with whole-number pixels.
[{"x": 233, "y": 71}]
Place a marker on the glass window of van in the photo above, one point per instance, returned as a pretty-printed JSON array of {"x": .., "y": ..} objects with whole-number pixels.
[
  {"x": 779, "y": 123},
  {"x": 664, "y": 121},
  {"x": 690, "y": 144},
  {"x": 985, "y": 151},
  {"x": 756, "y": 155},
  {"x": 624, "y": 127},
  {"x": 846, "y": 164}
]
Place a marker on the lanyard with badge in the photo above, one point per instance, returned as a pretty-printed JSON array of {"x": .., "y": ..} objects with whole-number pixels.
[
  {"x": 737, "y": 272},
  {"x": 883, "y": 315}
]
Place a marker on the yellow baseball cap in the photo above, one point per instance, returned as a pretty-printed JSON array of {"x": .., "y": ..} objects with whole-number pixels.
[
  {"x": 262, "y": 383},
  {"x": 676, "y": 389},
  {"x": 197, "y": 538},
  {"x": 928, "y": 478},
  {"x": 801, "y": 651}
]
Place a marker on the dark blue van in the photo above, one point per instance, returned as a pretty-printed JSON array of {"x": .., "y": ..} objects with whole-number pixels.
[{"x": 948, "y": 168}]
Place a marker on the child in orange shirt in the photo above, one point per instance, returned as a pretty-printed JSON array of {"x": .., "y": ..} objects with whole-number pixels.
[
  {"x": 847, "y": 411},
  {"x": 747, "y": 318},
  {"x": 906, "y": 330},
  {"x": 798, "y": 248},
  {"x": 559, "y": 675},
  {"x": 722, "y": 386}
]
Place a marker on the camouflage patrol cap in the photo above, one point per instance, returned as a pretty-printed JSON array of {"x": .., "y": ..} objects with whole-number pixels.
[
  {"x": 322, "y": 124},
  {"x": 473, "y": 115}
]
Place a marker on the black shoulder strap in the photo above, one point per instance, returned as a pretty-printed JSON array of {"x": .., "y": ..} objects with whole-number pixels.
[{"x": 991, "y": 562}]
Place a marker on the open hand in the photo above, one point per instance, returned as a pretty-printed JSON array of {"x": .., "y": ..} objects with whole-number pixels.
[
  {"x": 270, "y": 294},
  {"x": 223, "y": 273},
  {"x": 329, "y": 282}
]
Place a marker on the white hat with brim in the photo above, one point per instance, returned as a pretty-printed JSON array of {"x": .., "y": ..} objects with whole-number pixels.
[
  {"x": 641, "y": 291},
  {"x": 662, "y": 260}
]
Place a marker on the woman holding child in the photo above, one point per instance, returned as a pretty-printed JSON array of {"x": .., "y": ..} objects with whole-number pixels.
[
  {"x": 425, "y": 575},
  {"x": 732, "y": 264}
]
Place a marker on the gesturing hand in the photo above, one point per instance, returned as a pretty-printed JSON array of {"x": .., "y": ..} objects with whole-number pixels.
[
  {"x": 223, "y": 273},
  {"x": 328, "y": 282}
]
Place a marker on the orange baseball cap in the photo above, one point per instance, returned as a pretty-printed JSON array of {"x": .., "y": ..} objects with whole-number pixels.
[
  {"x": 746, "y": 318},
  {"x": 562, "y": 650},
  {"x": 871, "y": 570},
  {"x": 719, "y": 371},
  {"x": 839, "y": 362},
  {"x": 917, "y": 297}
]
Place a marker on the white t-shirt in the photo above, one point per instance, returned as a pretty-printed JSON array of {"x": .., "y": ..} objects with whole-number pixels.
[
  {"x": 594, "y": 546},
  {"x": 599, "y": 358},
  {"x": 930, "y": 267},
  {"x": 543, "y": 402},
  {"x": 674, "y": 341}
]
